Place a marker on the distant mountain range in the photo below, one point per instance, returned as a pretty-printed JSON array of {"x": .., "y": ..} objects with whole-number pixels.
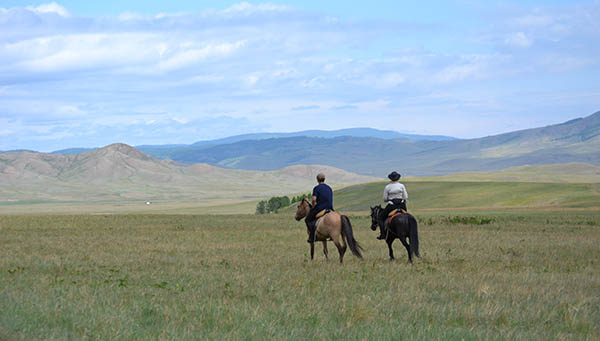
[
  {"x": 356, "y": 132},
  {"x": 120, "y": 172},
  {"x": 375, "y": 152},
  {"x": 573, "y": 141}
]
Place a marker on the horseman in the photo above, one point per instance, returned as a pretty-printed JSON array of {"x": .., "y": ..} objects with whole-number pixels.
[
  {"x": 395, "y": 195},
  {"x": 322, "y": 199}
]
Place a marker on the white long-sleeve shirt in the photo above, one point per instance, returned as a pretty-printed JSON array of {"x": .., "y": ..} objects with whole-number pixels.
[{"x": 394, "y": 190}]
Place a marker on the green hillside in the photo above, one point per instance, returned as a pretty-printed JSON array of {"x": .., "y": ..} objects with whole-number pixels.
[
  {"x": 573, "y": 141},
  {"x": 442, "y": 195},
  {"x": 557, "y": 173}
]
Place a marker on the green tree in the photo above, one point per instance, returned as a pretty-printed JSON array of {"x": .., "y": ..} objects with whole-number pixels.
[
  {"x": 273, "y": 204},
  {"x": 261, "y": 207}
]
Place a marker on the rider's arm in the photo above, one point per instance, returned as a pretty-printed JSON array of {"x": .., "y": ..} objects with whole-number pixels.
[
  {"x": 404, "y": 193},
  {"x": 314, "y": 201},
  {"x": 385, "y": 194}
]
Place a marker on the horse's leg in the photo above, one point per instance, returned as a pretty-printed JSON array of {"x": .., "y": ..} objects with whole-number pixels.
[
  {"x": 325, "y": 250},
  {"x": 403, "y": 241},
  {"x": 344, "y": 243},
  {"x": 312, "y": 251},
  {"x": 341, "y": 249},
  {"x": 389, "y": 241}
]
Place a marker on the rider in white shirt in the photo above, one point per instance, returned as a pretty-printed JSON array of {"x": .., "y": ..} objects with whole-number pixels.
[{"x": 395, "y": 195}]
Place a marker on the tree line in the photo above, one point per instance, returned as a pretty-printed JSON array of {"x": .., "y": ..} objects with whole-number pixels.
[{"x": 275, "y": 203}]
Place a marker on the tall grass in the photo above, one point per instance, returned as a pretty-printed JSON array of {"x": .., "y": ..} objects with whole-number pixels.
[{"x": 525, "y": 275}]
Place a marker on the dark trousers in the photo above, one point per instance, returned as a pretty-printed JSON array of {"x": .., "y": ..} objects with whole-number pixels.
[
  {"x": 311, "y": 221},
  {"x": 394, "y": 206},
  {"x": 312, "y": 215}
]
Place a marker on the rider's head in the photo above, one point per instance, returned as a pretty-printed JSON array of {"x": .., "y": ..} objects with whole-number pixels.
[
  {"x": 394, "y": 176},
  {"x": 320, "y": 177}
]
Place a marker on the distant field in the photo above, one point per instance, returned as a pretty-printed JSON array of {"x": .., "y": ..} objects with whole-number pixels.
[
  {"x": 464, "y": 195},
  {"x": 423, "y": 195},
  {"x": 503, "y": 274},
  {"x": 556, "y": 173}
]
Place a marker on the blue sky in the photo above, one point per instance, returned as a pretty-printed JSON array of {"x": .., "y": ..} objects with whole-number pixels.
[{"x": 91, "y": 73}]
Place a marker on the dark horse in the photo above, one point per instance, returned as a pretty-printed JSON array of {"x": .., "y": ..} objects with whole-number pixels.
[
  {"x": 402, "y": 226},
  {"x": 332, "y": 226}
]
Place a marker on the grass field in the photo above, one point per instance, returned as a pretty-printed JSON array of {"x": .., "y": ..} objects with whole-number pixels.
[
  {"x": 503, "y": 274},
  {"x": 423, "y": 195},
  {"x": 433, "y": 195}
]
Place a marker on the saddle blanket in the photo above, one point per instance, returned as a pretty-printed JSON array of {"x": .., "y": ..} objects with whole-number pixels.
[
  {"x": 394, "y": 214},
  {"x": 322, "y": 213}
]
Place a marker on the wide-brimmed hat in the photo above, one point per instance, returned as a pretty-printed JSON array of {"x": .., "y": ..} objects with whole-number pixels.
[{"x": 394, "y": 176}]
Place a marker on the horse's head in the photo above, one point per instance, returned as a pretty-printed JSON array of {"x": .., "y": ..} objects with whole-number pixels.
[
  {"x": 375, "y": 217},
  {"x": 303, "y": 209}
]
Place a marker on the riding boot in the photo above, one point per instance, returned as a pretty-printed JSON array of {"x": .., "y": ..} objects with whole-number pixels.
[
  {"x": 312, "y": 228},
  {"x": 382, "y": 233}
]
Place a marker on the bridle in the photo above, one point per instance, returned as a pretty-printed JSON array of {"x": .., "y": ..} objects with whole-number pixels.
[
  {"x": 309, "y": 207},
  {"x": 375, "y": 217}
]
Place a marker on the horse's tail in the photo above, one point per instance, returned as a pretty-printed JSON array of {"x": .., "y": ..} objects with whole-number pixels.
[
  {"x": 347, "y": 233},
  {"x": 413, "y": 235}
]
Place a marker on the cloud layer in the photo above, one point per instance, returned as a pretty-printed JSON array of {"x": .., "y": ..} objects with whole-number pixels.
[{"x": 69, "y": 81}]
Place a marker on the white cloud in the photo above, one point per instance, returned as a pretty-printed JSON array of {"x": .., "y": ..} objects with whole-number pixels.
[
  {"x": 70, "y": 111},
  {"x": 247, "y": 9},
  {"x": 518, "y": 39},
  {"x": 65, "y": 53},
  {"x": 467, "y": 67},
  {"x": 52, "y": 7},
  {"x": 190, "y": 54},
  {"x": 392, "y": 79},
  {"x": 78, "y": 51},
  {"x": 130, "y": 16}
]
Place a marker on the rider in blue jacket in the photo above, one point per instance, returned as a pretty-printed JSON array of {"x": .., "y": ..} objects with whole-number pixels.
[{"x": 322, "y": 198}]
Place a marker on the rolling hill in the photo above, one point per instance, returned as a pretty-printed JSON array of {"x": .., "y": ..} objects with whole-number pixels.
[
  {"x": 375, "y": 152},
  {"x": 574, "y": 141},
  {"x": 120, "y": 174},
  {"x": 121, "y": 178},
  {"x": 557, "y": 173},
  {"x": 438, "y": 195}
]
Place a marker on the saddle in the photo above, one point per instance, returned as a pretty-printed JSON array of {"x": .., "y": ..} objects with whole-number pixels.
[
  {"x": 322, "y": 213},
  {"x": 393, "y": 214}
]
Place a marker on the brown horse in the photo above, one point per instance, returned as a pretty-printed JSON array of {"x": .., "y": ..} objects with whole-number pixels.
[{"x": 331, "y": 226}]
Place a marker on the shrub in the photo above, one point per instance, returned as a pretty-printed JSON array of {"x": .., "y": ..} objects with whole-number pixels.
[
  {"x": 470, "y": 220},
  {"x": 272, "y": 205}
]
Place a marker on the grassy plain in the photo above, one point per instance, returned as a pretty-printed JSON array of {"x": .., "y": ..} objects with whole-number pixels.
[
  {"x": 433, "y": 195},
  {"x": 502, "y": 274}
]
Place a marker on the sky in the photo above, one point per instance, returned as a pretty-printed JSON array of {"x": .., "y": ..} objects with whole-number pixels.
[{"x": 91, "y": 73}]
